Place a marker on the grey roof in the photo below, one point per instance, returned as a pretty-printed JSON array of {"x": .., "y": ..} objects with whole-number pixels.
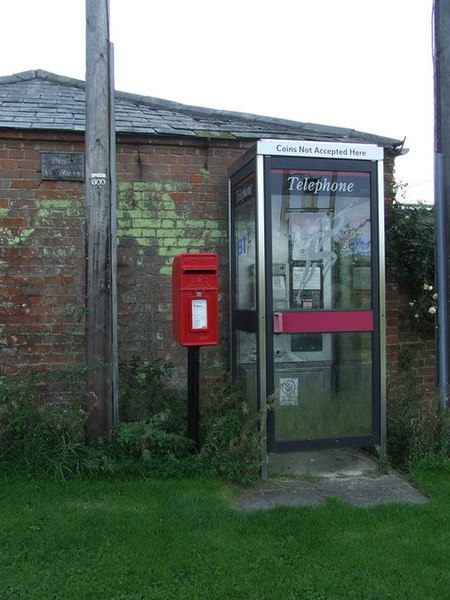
[{"x": 45, "y": 101}]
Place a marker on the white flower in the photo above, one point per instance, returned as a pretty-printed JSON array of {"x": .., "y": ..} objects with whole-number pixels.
[
  {"x": 416, "y": 316},
  {"x": 412, "y": 303},
  {"x": 432, "y": 310},
  {"x": 435, "y": 296},
  {"x": 427, "y": 288}
]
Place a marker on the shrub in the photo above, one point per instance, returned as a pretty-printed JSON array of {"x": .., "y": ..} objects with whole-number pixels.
[
  {"x": 145, "y": 389},
  {"x": 410, "y": 260},
  {"x": 42, "y": 436},
  {"x": 418, "y": 431},
  {"x": 152, "y": 436},
  {"x": 231, "y": 438},
  {"x": 39, "y": 436}
]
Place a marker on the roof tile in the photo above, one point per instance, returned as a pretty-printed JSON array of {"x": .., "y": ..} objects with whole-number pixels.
[{"x": 42, "y": 100}]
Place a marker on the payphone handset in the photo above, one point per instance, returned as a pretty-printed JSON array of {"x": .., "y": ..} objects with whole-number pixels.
[{"x": 280, "y": 285}]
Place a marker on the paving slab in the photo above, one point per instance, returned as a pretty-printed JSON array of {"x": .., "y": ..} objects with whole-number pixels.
[
  {"x": 372, "y": 491},
  {"x": 308, "y": 479},
  {"x": 323, "y": 463},
  {"x": 359, "y": 491}
]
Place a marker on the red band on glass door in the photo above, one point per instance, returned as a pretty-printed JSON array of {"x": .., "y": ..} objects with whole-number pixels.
[{"x": 323, "y": 322}]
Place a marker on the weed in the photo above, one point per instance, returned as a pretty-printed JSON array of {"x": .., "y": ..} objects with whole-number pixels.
[
  {"x": 231, "y": 440},
  {"x": 39, "y": 436},
  {"x": 152, "y": 434},
  {"x": 418, "y": 431},
  {"x": 43, "y": 426},
  {"x": 145, "y": 389}
]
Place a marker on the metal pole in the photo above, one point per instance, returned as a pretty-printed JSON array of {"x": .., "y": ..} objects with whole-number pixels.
[
  {"x": 193, "y": 409},
  {"x": 441, "y": 282},
  {"x": 441, "y": 60}
]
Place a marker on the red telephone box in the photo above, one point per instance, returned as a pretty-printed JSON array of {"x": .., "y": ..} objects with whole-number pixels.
[{"x": 195, "y": 312}]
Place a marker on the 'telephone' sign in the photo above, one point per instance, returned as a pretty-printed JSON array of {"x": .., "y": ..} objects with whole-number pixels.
[{"x": 320, "y": 149}]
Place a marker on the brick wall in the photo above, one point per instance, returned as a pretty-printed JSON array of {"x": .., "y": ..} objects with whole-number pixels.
[
  {"x": 41, "y": 258},
  {"x": 172, "y": 198},
  {"x": 407, "y": 350}
]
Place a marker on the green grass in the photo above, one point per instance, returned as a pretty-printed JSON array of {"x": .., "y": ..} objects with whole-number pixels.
[{"x": 138, "y": 539}]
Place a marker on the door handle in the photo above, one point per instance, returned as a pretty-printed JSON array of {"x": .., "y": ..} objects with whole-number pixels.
[{"x": 278, "y": 322}]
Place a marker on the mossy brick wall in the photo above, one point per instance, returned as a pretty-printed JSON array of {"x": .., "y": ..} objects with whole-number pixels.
[
  {"x": 41, "y": 258},
  {"x": 173, "y": 199}
]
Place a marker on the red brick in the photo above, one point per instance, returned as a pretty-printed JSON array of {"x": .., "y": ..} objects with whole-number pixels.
[
  {"x": 23, "y": 184},
  {"x": 12, "y": 222}
]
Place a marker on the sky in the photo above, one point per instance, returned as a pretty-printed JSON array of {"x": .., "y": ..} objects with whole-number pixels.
[{"x": 362, "y": 64}]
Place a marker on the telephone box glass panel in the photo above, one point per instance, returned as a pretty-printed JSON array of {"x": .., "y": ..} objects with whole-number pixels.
[
  {"x": 243, "y": 195},
  {"x": 322, "y": 265},
  {"x": 327, "y": 398},
  {"x": 243, "y": 207},
  {"x": 321, "y": 240}
]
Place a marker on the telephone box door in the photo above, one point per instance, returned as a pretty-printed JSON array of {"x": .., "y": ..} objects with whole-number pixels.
[{"x": 323, "y": 255}]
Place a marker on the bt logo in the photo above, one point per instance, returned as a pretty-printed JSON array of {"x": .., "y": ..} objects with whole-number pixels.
[{"x": 245, "y": 243}]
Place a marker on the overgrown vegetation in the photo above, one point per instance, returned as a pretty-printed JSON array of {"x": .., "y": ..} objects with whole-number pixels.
[
  {"x": 410, "y": 260},
  {"x": 41, "y": 432},
  {"x": 39, "y": 436},
  {"x": 418, "y": 431},
  {"x": 231, "y": 438}
]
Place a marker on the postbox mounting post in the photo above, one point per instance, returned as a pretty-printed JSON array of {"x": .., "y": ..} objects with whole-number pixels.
[{"x": 193, "y": 404}]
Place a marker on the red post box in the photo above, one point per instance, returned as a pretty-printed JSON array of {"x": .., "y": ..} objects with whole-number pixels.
[{"x": 195, "y": 311}]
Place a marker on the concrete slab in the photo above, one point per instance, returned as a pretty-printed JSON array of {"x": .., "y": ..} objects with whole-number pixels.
[
  {"x": 323, "y": 463},
  {"x": 372, "y": 491},
  {"x": 309, "y": 478}
]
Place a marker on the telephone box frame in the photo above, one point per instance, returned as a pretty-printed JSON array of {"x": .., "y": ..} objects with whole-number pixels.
[{"x": 258, "y": 163}]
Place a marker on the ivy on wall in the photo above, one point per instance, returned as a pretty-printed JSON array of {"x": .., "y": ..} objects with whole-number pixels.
[{"x": 410, "y": 260}]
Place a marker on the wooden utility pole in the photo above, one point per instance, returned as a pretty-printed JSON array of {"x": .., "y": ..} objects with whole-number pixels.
[
  {"x": 101, "y": 318},
  {"x": 442, "y": 186}
]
